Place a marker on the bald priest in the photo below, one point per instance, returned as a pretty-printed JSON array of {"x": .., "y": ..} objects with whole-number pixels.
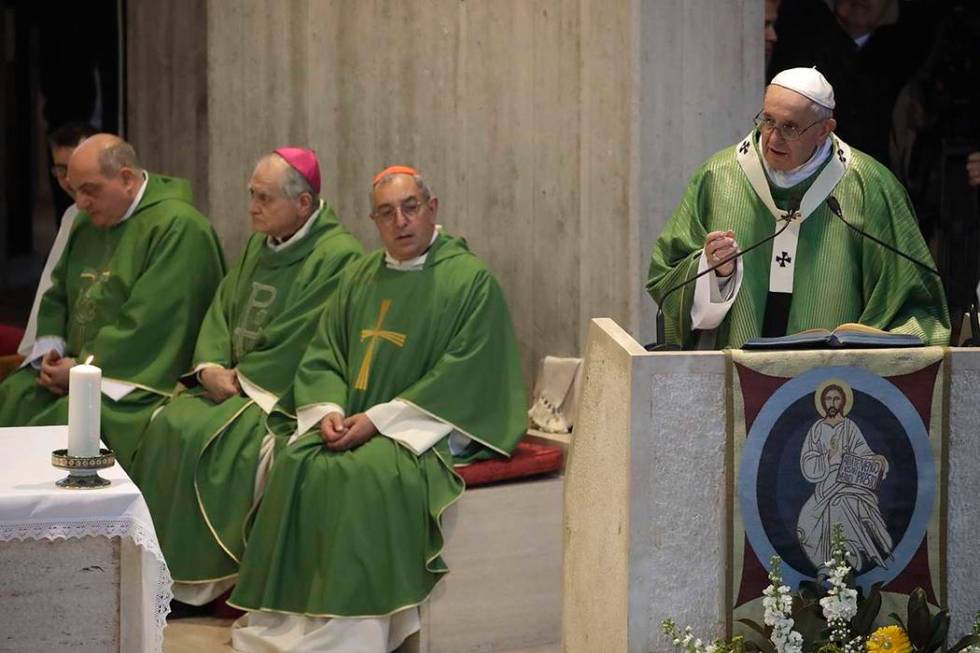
[
  {"x": 414, "y": 368},
  {"x": 131, "y": 288},
  {"x": 202, "y": 461},
  {"x": 817, "y": 273}
]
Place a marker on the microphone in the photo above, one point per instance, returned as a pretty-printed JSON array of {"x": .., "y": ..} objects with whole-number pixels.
[
  {"x": 836, "y": 210},
  {"x": 661, "y": 339}
]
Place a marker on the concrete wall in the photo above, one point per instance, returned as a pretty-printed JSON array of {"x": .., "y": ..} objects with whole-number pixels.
[
  {"x": 166, "y": 89},
  {"x": 557, "y": 133}
]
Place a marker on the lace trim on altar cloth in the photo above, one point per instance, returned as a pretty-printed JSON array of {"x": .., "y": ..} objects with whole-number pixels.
[{"x": 141, "y": 536}]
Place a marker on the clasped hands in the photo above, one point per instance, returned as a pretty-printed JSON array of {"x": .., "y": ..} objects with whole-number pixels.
[
  {"x": 54, "y": 374},
  {"x": 718, "y": 246},
  {"x": 340, "y": 434},
  {"x": 219, "y": 383}
]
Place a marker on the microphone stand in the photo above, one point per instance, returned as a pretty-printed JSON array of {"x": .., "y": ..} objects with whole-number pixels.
[{"x": 662, "y": 344}]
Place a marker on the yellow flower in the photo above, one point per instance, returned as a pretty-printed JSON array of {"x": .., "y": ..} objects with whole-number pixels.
[{"x": 889, "y": 639}]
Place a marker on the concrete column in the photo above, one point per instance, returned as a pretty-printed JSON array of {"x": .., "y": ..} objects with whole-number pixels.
[{"x": 559, "y": 134}]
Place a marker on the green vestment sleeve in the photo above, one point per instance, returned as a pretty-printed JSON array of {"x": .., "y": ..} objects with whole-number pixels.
[
  {"x": 214, "y": 338},
  {"x": 152, "y": 338},
  {"x": 321, "y": 376},
  {"x": 675, "y": 258},
  {"x": 477, "y": 384},
  {"x": 899, "y": 295}
]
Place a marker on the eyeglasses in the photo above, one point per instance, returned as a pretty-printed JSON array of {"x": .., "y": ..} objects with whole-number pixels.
[
  {"x": 409, "y": 208},
  {"x": 788, "y": 132}
]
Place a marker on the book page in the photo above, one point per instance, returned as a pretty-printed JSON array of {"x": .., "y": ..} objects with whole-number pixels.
[{"x": 854, "y": 327}]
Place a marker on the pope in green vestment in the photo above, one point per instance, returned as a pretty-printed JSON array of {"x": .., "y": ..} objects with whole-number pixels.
[
  {"x": 130, "y": 290},
  {"x": 834, "y": 275},
  {"x": 353, "y": 530},
  {"x": 199, "y": 458}
]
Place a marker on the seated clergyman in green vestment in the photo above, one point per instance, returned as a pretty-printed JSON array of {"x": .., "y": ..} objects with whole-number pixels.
[
  {"x": 131, "y": 288},
  {"x": 414, "y": 366},
  {"x": 203, "y": 457},
  {"x": 817, "y": 273}
]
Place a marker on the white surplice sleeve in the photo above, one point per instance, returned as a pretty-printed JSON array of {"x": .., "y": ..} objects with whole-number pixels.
[
  {"x": 418, "y": 430},
  {"x": 713, "y": 296}
]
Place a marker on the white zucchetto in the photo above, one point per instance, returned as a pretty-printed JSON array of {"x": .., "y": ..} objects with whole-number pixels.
[{"x": 809, "y": 83}]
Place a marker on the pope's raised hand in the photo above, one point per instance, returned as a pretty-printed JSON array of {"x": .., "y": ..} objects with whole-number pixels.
[
  {"x": 219, "y": 384},
  {"x": 718, "y": 246}
]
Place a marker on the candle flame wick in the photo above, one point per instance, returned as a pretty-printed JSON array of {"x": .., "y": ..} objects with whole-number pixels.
[{"x": 91, "y": 357}]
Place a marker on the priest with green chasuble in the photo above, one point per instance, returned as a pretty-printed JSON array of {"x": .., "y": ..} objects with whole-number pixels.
[
  {"x": 137, "y": 274},
  {"x": 414, "y": 368},
  {"x": 203, "y": 459},
  {"x": 817, "y": 273}
]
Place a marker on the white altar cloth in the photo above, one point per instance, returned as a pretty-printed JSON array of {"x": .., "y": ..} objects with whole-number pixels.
[{"x": 32, "y": 507}]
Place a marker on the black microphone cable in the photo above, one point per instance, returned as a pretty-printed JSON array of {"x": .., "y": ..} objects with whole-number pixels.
[
  {"x": 661, "y": 339},
  {"x": 836, "y": 210}
]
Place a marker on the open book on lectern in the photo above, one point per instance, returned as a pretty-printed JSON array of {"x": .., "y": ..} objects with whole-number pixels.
[{"x": 850, "y": 335}]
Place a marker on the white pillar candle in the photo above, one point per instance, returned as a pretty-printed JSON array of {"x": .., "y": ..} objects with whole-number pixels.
[{"x": 84, "y": 409}]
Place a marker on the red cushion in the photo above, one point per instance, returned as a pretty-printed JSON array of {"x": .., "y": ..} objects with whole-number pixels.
[
  {"x": 10, "y": 337},
  {"x": 527, "y": 459}
]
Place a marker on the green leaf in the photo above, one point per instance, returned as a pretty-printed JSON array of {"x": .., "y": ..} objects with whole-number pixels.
[
  {"x": 754, "y": 625},
  {"x": 810, "y": 590},
  {"x": 766, "y": 646},
  {"x": 868, "y": 610},
  {"x": 968, "y": 640},
  {"x": 919, "y": 630},
  {"x": 898, "y": 620},
  {"x": 829, "y": 648},
  {"x": 939, "y": 628},
  {"x": 810, "y": 624}
]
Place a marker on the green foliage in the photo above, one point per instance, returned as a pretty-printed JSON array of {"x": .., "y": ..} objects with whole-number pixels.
[
  {"x": 809, "y": 620},
  {"x": 868, "y": 609},
  {"x": 764, "y": 645},
  {"x": 927, "y": 632},
  {"x": 686, "y": 640},
  {"x": 921, "y": 625},
  {"x": 968, "y": 640},
  {"x": 830, "y": 647}
]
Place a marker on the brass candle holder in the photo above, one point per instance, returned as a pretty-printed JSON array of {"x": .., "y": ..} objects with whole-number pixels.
[{"x": 83, "y": 471}]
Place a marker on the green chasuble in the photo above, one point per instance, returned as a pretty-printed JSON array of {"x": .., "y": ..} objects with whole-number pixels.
[
  {"x": 357, "y": 533},
  {"x": 839, "y": 276},
  {"x": 197, "y": 464},
  {"x": 133, "y": 296}
]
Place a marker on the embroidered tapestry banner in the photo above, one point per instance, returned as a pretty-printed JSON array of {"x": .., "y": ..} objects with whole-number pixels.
[{"x": 818, "y": 438}]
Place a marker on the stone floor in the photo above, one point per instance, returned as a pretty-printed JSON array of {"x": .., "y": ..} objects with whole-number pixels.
[
  {"x": 210, "y": 634},
  {"x": 197, "y": 634}
]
